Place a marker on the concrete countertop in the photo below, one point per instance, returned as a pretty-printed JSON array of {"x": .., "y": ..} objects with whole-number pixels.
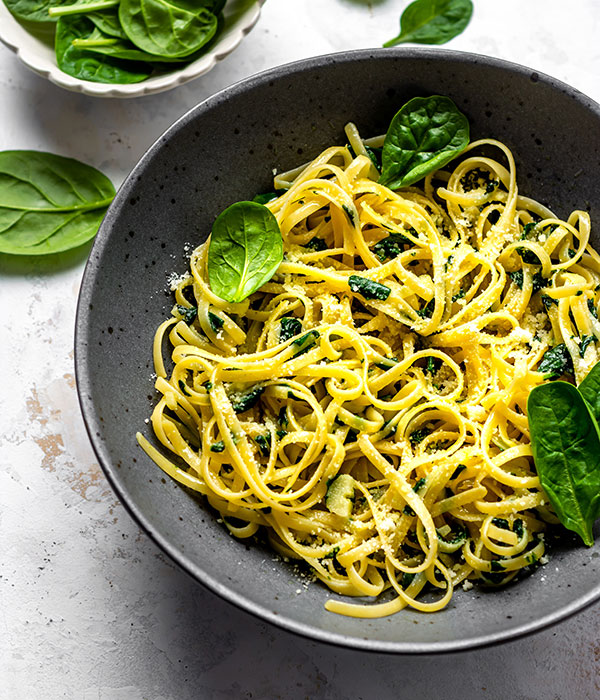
[{"x": 89, "y": 608}]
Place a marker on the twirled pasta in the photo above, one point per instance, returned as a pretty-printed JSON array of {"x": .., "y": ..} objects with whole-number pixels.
[{"x": 419, "y": 396}]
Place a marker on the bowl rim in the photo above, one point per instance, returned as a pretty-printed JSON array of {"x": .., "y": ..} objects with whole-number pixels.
[
  {"x": 94, "y": 427},
  {"x": 202, "y": 65}
]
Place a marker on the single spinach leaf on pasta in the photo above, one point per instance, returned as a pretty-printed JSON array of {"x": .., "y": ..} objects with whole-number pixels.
[
  {"x": 245, "y": 250},
  {"x": 566, "y": 451},
  {"x": 433, "y": 21},
  {"x": 49, "y": 203},
  {"x": 167, "y": 28},
  {"x": 590, "y": 390},
  {"x": 91, "y": 66},
  {"x": 425, "y": 134}
]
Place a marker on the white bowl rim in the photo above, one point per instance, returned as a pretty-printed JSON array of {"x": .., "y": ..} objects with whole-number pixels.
[{"x": 10, "y": 29}]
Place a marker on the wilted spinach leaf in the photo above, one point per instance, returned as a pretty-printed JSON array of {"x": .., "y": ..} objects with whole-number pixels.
[
  {"x": 367, "y": 288},
  {"x": 556, "y": 362}
]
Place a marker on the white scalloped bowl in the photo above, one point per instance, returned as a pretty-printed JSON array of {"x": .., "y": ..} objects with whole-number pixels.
[{"x": 38, "y": 55}]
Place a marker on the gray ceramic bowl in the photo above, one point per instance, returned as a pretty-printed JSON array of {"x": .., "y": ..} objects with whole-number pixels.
[{"x": 224, "y": 150}]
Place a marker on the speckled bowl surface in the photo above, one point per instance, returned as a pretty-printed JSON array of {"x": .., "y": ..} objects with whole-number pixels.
[
  {"x": 224, "y": 150},
  {"x": 36, "y": 51}
]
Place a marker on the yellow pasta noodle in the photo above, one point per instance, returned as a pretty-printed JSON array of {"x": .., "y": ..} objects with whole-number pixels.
[{"x": 367, "y": 405}]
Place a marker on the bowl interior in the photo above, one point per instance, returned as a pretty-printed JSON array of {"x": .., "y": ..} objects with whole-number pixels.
[
  {"x": 34, "y": 44},
  {"x": 224, "y": 150}
]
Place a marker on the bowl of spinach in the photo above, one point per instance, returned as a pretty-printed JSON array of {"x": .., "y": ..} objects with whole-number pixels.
[
  {"x": 124, "y": 48},
  {"x": 168, "y": 205}
]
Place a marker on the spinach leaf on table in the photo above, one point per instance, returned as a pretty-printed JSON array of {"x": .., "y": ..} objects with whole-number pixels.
[
  {"x": 49, "y": 203},
  {"x": 88, "y": 66},
  {"x": 244, "y": 252},
  {"x": 566, "y": 451},
  {"x": 167, "y": 28},
  {"x": 433, "y": 21},
  {"x": 424, "y": 135}
]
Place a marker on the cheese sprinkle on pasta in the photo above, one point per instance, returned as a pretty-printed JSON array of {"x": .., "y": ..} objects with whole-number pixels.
[{"x": 367, "y": 405}]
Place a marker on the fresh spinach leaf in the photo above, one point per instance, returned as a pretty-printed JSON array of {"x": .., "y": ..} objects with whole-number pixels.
[
  {"x": 33, "y": 10},
  {"x": 289, "y": 327},
  {"x": 566, "y": 452},
  {"x": 107, "y": 21},
  {"x": 433, "y": 21},
  {"x": 424, "y": 135},
  {"x": 80, "y": 8},
  {"x": 122, "y": 49},
  {"x": 556, "y": 362},
  {"x": 87, "y": 66},
  {"x": 590, "y": 390},
  {"x": 245, "y": 250},
  {"x": 49, "y": 203},
  {"x": 167, "y": 28},
  {"x": 367, "y": 288}
]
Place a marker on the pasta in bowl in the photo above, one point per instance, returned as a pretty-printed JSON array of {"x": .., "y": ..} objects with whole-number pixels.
[
  {"x": 366, "y": 404},
  {"x": 167, "y": 207}
]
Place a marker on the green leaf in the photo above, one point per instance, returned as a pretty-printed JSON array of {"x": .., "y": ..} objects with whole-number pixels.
[
  {"x": 425, "y": 134},
  {"x": 433, "y": 21},
  {"x": 107, "y": 22},
  {"x": 556, "y": 362},
  {"x": 245, "y": 250},
  {"x": 289, "y": 327},
  {"x": 167, "y": 28},
  {"x": 34, "y": 10},
  {"x": 49, "y": 203},
  {"x": 245, "y": 401},
  {"x": 590, "y": 390},
  {"x": 368, "y": 288},
  {"x": 122, "y": 49},
  {"x": 566, "y": 451},
  {"x": 84, "y": 65}
]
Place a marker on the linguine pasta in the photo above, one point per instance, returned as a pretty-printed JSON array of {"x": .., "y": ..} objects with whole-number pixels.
[{"x": 366, "y": 407}]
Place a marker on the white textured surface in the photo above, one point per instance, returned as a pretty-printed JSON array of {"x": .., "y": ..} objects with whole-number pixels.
[{"x": 89, "y": 608}]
